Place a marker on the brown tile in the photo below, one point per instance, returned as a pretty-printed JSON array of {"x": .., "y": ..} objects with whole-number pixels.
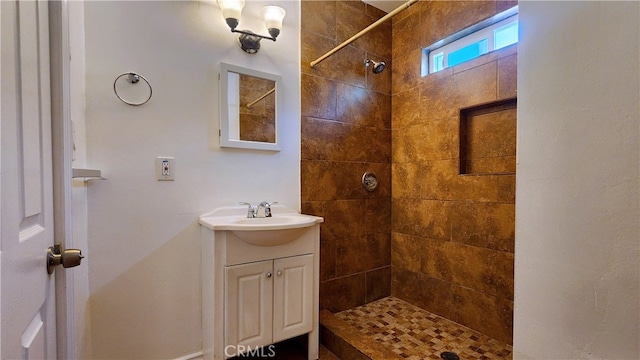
[
  {"x": 312, "y": 46},
  {"x": 438, "y": 178},
  {"x": 488, "y": 314},
  {"x": 377, "y": 42},
  {"x": 364, "y": 253},
  {"x": 318, "y": 97},
  {"x": 319, "y": 17},
  {"x": 358, "y": 106},
  {"x": 325, "y": 354},
  {"x": 474, "y": 86},
  {"x": 417, "y": 8},
  {"x": 328, "y": 256},
  {"x": 383, "y": 172},
  {"x": 507, "y": 189},
  {"x": 351, "y": 20},
  {"x": 315, "y": 208},
  {"x": 378, "y": 216},
  {"x": 358, "y": 5},
  {"x": 434, "y": 96},
  {"x": 448, "y": 17},
  {"x": 317, "y": 180},
  {"x": 377, "y": 145},
  {"x": 491, "y": 165},
  {"x": 442, "y": 96},
  {"x": 331, "y": 180},
  {"x": 349, "y": 180},
  {"x": 378, "y": 283},
  {"x": 340, "y": 346},
  {"x": 330, "y": 140},
  {"x": 406, "y": 252},
  {"x": 345, "y": 218},
  {"x": 482, "y": 188},
  {"x": 502, "y": 273},
  {"x": 346, "y": 65},
  {"x": 508, "y": 76},
  {"x": 433, "y": 140},
  {"x": 502, "y": 5},
  {"x": 405, "y": 109},
  {"x": 342, "y": 293},
  {"x": 347, "y": 342},
  {"x": 374, "y": 12},
  {"x": 406, "y": 180},
  {"x": 405, "y": 38},
  {"x": 492, "y": 135},
  {"x": 432, "y": 219},
  {"x": 437, "y": 259},
  {"x": 257, "y": 128},
  {"x": 434, "y": 295},
  {"x": 406, "y": 71},
  {"x": 484, "y": 224},
  {"x": 471, "y": 267},
  {"x": 434, "y": 103}
]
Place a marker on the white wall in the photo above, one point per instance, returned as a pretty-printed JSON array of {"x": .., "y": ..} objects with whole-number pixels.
[
  {"x": 143, "y": 234},
  {"x": 577, "y": 267}
]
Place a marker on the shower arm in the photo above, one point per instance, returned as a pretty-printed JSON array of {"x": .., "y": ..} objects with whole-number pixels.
[{"x": 364, "y": 31}]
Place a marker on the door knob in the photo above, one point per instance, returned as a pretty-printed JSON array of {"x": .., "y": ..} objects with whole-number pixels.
[{"x": 67, "y": 258}]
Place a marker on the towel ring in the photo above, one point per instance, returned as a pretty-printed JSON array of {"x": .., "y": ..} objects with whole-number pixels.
[{"x": 132, "y": 78}]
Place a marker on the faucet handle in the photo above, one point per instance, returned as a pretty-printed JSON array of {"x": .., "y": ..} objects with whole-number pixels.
[
  {"x": 268, "y": 208},
  {"x": 251, "y": 213}
]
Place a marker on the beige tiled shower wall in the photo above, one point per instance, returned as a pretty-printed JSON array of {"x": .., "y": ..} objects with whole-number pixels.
[
  {"x": 452, "y": 235},
  {"x": 346, "y": 130}
]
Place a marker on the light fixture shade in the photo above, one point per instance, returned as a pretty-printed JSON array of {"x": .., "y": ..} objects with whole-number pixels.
[
  {"x": 231, "y": 9},
  {"x": 273, "y": 16}
]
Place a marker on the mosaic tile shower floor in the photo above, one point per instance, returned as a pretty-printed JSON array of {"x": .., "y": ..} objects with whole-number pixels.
[{"x": 415, "y": 334}]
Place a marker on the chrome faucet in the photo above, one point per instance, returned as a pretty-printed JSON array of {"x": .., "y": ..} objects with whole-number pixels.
[
  {"x": 264, "y": 209},
  {"x": 251, "y": 212},
  {"x": 261, "y": 211}
]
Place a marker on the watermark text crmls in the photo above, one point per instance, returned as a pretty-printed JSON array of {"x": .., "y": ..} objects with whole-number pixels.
[{"x": 245, "y": 350}]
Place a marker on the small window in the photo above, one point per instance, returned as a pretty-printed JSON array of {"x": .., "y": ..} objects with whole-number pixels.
[{"x": 491, "y": 34}]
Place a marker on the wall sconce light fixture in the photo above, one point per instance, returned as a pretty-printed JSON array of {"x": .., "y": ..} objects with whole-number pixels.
[{"x": 250, "y": 41}]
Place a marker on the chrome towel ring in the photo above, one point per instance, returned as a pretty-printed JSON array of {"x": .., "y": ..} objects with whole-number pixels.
[{"x": 132, "y": 78}]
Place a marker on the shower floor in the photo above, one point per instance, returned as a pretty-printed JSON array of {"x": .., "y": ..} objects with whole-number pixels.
[{"x": 413, "y": 333}]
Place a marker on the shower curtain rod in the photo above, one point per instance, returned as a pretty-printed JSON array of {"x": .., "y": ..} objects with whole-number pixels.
[{"x": 364, "y": 31}]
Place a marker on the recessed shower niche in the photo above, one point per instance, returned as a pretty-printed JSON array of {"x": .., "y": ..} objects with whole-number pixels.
[{"x": 488, "y": 138}]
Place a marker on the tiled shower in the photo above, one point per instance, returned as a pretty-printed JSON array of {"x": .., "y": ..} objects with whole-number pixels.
[{"x": 430, "y": 235}]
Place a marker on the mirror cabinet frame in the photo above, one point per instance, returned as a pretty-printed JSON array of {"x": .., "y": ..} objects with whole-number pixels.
[{"x": 226, "y": 139}]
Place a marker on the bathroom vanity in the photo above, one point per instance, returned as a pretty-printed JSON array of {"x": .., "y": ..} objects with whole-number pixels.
[{"x": 260, "y": 281}]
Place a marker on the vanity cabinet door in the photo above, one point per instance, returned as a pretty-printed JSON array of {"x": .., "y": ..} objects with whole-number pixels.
[
  {"x": 248, "y": 301},
  {"x": 292, "y": 296}
]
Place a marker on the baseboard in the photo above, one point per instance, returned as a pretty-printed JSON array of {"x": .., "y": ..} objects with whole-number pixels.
[{"x": 194, "y": 356}]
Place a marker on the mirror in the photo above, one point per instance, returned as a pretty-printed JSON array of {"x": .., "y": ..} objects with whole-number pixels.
[{"x": 249, "y": 106}]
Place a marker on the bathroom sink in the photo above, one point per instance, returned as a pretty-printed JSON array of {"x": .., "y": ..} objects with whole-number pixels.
[{"x": 275, "y": 230}]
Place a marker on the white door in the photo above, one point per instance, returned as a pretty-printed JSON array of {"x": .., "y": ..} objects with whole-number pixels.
[
  {"x": 26, "y": 221},
  {"x": 292, "y": 297},
  {"x": 249, "y": 292}
]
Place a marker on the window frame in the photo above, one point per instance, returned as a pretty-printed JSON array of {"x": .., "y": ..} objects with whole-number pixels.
[{"x": 468, "y": 36}]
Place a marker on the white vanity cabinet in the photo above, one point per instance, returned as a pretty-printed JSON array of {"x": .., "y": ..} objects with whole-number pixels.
[
  {"x": 268, "y": 301},
  {"x": 255, "y": 295}
]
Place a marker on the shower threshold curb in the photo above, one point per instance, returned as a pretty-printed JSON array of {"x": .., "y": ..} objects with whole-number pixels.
[{"x": 347, "y": 342}]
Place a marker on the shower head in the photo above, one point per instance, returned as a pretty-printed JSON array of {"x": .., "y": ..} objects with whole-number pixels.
[{"x": 377, "y": 66}]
